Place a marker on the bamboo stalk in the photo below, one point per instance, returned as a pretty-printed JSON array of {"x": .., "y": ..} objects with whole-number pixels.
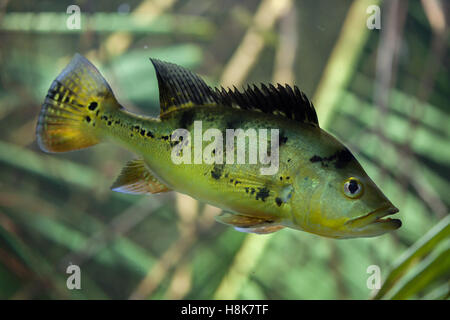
[
  {"x": 247, "y": 53},
  {"x": 341, "y": 64}
]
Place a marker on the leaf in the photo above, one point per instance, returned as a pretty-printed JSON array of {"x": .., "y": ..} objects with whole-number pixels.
[
  {"x": 424, "y": 274},
  {"x": 415, "y": 254}
]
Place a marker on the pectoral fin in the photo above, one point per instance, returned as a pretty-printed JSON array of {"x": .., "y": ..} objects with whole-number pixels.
[
  {"x": 244, "y": 223},
  {"x": 136, "y": 178}
]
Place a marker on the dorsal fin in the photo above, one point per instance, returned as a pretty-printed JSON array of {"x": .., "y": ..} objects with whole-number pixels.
[
  {"x": 280, "y": 100},
  {"x": 249, "y": 224},
  {"x": 179, "y": 87}
]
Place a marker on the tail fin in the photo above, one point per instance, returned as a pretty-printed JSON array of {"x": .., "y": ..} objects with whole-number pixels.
[{"x": 69, "y": 114}]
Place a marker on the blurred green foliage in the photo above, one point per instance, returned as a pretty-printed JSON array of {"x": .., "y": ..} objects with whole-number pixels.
[{"x": 58, "y": 209}]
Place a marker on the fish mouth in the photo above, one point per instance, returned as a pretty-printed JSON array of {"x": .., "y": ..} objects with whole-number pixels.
[{"x": 376, "y": 219}]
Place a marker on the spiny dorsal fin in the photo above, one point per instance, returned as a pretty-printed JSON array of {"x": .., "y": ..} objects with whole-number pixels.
[
  {"x": 280, "y": 100},
  {"x": 179, "y": 87},
  {"x": 135, "y": 178}
]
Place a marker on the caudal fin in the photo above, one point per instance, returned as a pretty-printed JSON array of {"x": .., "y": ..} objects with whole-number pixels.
[{"x": 69, "y": 114}]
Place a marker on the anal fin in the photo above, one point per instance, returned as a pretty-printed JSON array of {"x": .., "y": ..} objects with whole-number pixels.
[
  {"x": 262, "y": 229},
  {"x": 244, "y": 223},
  {"x": 136, "y": 178}
]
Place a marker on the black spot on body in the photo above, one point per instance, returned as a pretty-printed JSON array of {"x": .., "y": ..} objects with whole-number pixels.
[
  {"x": 150, "y": 134},
  {"x": 343, "y": 158},
  {"x": 216, "y": 173},
  {"x": 88, "y": 119},
  {"x": 142, "y": 132},
  {"x": 109, "y": 123},
  {"x": 282, "y": 140},
  {"x": 165, "y": 137},
  {"x": 340, "y": 158},
  {"x": 278, "y": 201},
  {"x": 174, "y": 143},
  {"x": 315, "y": 158},
  {"x": 92, "y": 106},
  {"x": 234, "y": 123},
  {"x": 187, "y": 118},
  {"x": 262, "y": 193}
]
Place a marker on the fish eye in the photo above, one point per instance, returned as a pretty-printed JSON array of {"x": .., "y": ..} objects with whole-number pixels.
[{"x": 353, "y": 188}]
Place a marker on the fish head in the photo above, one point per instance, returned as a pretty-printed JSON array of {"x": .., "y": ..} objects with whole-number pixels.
[{"x": 341, "y": 200}]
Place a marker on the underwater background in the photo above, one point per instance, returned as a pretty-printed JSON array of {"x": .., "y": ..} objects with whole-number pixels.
[{"x": 384, "y": 92}]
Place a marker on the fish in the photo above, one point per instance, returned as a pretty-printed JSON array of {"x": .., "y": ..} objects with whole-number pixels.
[{"x": 318, "y": 185}]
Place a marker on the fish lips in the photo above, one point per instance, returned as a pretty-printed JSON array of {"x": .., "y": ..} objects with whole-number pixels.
[{"x": 374, "y": 220}]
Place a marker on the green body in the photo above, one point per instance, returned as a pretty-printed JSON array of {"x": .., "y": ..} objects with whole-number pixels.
[
  {"x": 228, "y": 186},
  {"x": 241, "y": 188}
]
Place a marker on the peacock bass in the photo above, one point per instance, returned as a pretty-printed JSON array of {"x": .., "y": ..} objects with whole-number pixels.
[{"x": 318, "y": 185}]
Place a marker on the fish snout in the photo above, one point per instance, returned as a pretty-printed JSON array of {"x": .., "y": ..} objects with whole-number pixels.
[{"x": 376, "y": 220}]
